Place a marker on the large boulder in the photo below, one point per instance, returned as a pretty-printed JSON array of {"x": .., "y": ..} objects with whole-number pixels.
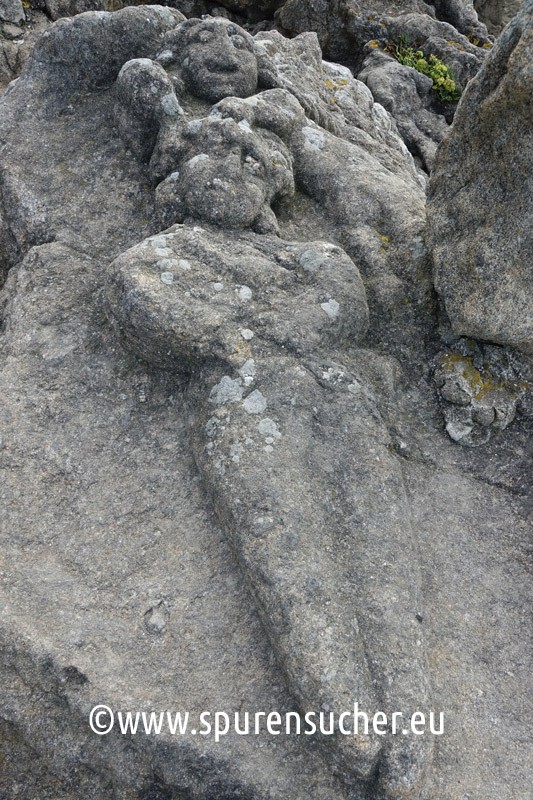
[
  {"x": 496, "y": 13},
  {"x": 408, "y": 96},
  {"x": 258, "y": 508},
  {"x": 345, "y": 26},
  {"x": 481, "y": 199},
  {"x": 11, "y": 11},
  {"x": 369, "y": 35}
]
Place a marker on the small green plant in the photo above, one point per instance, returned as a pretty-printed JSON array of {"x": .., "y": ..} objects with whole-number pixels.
[{"x": 444, "y": 83}]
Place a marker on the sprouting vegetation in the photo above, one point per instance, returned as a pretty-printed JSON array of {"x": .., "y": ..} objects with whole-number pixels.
[{"x": 444, "y": 83}]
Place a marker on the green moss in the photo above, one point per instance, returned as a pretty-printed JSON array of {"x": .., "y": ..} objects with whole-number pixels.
[{"x": 444, "y": 84}]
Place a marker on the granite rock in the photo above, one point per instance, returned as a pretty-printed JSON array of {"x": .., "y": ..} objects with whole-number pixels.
[
  {"x": 480, "y": 202},
  {"x": 496, "y": 13},
  {"x": 11, "y": 11},
  {"x": 146, "y": 569}
]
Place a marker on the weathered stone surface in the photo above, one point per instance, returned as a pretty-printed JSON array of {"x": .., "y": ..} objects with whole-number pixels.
[
  {"x": 222, "y": 171},
  {"x": 85, "y": 603},
  {"x": 305, "y": 299},
  {"x": 88, "y": 51},
  {"x": 14, "y": 54},
  {"x": 497, "y": 13},
  {"x": 56, "y": 9},
  {"x": 367, "y": 542},
  {"x": 253, "y": 9},
  {"x": 11, "y": 11},
  {"x": 407, "y": 95},
  {"x": 344, "y": 27},
  {"x": 228, "y": 169},
  {"x": 245, "y": 10},
  {"x": 480, "y": 206},
  {"x": 475, "y": 405},
  {"x": 462, "y": 14},
  {"x": 363, "y": 34}
]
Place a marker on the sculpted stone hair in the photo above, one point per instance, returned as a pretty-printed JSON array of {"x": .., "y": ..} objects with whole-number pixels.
[{"x": 177, "y": 39}]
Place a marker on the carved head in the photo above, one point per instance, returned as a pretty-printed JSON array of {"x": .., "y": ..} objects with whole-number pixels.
[
  {"x": 227, "y": 171},
  {"x": 215, "y": 56}
]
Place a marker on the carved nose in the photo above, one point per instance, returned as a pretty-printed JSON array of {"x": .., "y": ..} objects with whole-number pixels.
[{"x": 225, "y": 58}]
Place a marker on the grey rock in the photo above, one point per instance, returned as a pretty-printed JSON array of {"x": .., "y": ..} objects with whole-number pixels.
[
  {"x": 345, "y": 27},
  {"x": 11, "y": 11},
  {"x": 56, "y": 9},
  {"x": 156, "y": 618},
  {"x": 201, "y": 164},
  {"x": 480, "y": 206},
  {"x": 497, "y": 13},
  {"x": 221, "y": 170},
  {"x": 58, "y": 55},
  {"x": 145, "y": 96},
  {"x": 253, "y": 482},
  {"x": 475, "y": 404},
  {"x": 407, "y": 96},
  {"x": 105, "y": 520},
  {"x": 11, "y": 31},
  {"x": 265, "y": 262},
  {"x": 15, "y": 54},
  {"x": 462, "y": 14},
  {"x": 345, "y": 31},
  {"x": 153, "y": 612},
  {"x": 328, "y": 93},
  {"x": 197, "y": 44}
]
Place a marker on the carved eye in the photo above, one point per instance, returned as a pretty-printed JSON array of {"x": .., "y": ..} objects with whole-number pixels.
[
  {"x": 238, "y": 42},
  {"x": 253, "y": 166}
]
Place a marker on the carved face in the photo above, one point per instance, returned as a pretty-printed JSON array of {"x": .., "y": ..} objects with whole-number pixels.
[
  {"x": 228, "y": 175},
  {"x": 219, "y": 61}
]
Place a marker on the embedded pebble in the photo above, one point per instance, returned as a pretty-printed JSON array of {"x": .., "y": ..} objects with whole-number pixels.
[
  {"x": 314, "y": 138},
  {"x": 458, "y": 430},
  {"x": 157, "y": 241},
  {"x": 170, "y": 105},
  {"x": 211, "y": 426},
  {"x": 235, "y": 452},
  {"x": 247, "y": 334},
  {"x": 354, "y": 387},
  {"x": 166, "y": 264},
  {"x": 195, "y": 159}
]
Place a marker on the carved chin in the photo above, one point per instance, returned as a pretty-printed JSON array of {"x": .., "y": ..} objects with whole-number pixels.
[
  {"x": 231, "y": 216},
  {"x": 214, "y": 86}
]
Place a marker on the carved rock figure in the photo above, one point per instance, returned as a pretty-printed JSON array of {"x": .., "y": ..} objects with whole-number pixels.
[
  {"x": 114, "y": 568},
  {"x": 285, "y": 428}
]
